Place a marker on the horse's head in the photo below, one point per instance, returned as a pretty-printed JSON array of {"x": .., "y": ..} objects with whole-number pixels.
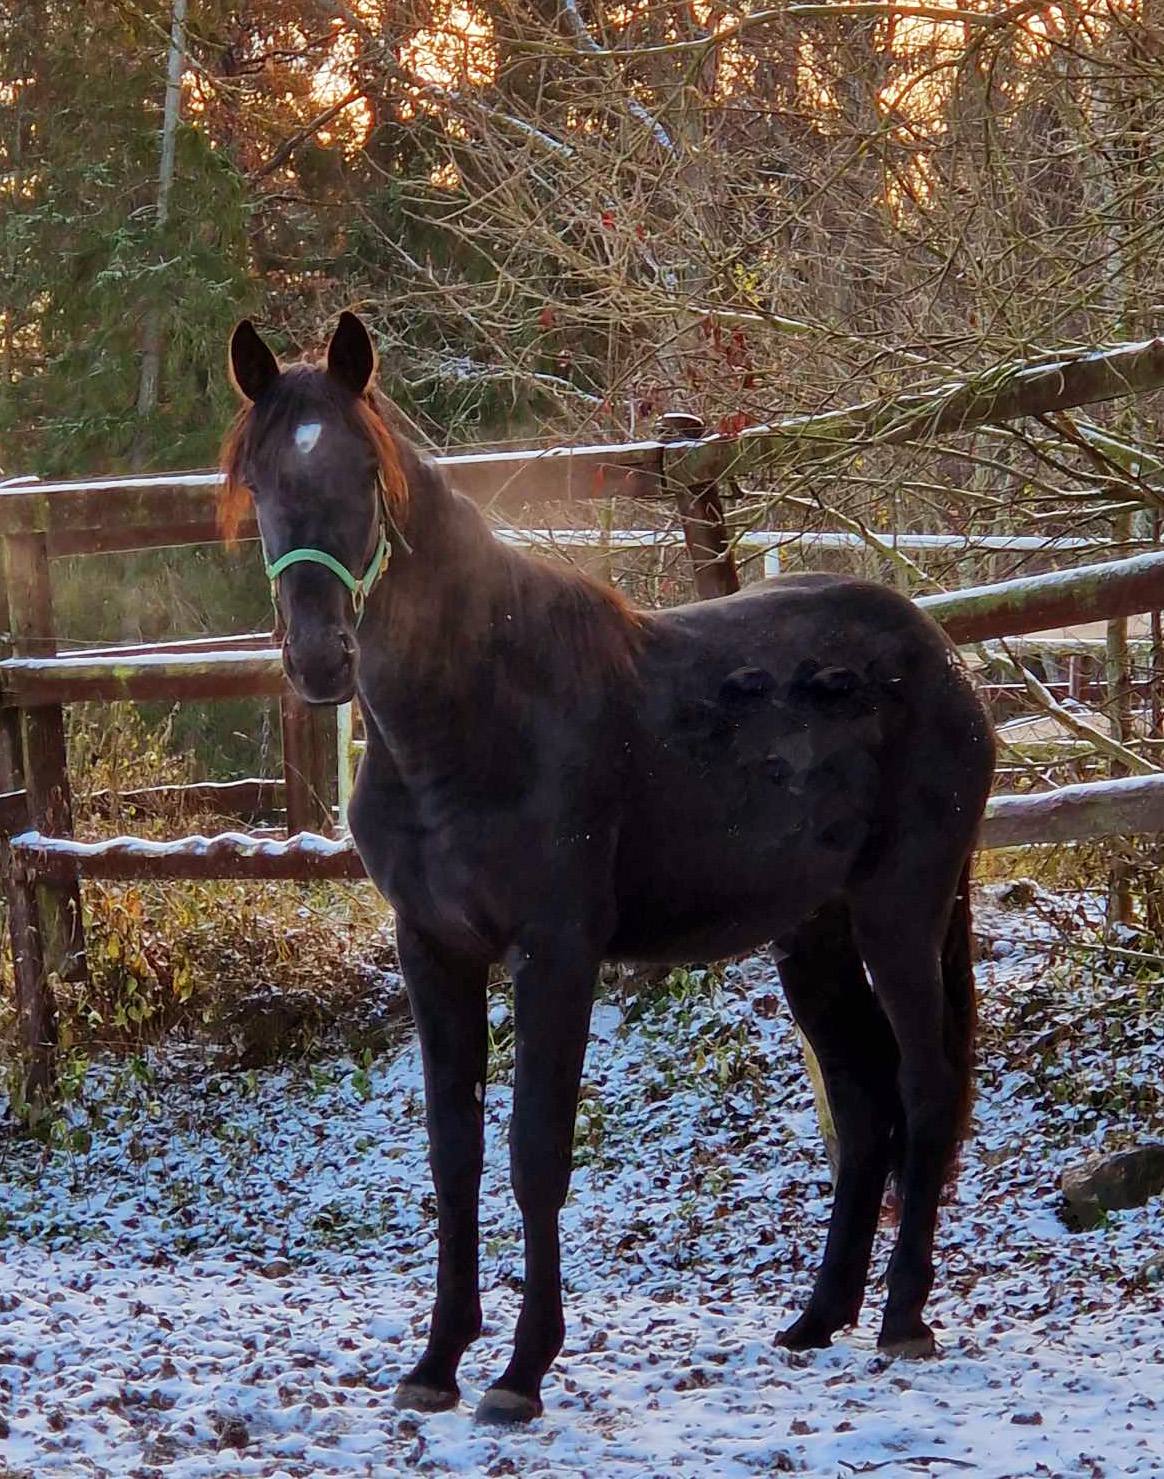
[{"x": 321, "y": 467}]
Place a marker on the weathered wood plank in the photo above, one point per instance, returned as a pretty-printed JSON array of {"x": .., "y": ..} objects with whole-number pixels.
[
  {"x": 308, "y": 764},
  {"x": 45, "y": 765},
  {"x": 701, "y": 518},
  {"x": 242, "y": 798},
  {"x": 1119, "y": 808},
  {"x": 108, "y": 514},
  {"x": 36, "y": 1008},
  {"x": 161, "y": 533},
  {"x": 1039, "y": 603},
  {"x": 79, "y": 678},
  {"x": 85, "y": 515},
  {"x": 35, "y": 1003},
  {"x": 230, "y": 855},
  {"x": 513, "y": 480}
]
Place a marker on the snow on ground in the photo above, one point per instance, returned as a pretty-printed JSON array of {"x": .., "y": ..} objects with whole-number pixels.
[{"x": 231, "y": 1279}]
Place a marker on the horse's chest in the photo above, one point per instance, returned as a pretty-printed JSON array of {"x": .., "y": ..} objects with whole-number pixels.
[{"x": 439, "y": 870}]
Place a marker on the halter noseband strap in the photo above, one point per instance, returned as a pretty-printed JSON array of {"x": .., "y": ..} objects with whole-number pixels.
[{"x": 360, "y": 589}]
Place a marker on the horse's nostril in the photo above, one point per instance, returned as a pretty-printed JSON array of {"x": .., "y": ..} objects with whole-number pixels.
[{"x": 321, "y": 662}]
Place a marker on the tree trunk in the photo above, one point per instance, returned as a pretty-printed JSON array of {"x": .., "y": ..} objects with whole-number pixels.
[{"x": 151, "y": 343}]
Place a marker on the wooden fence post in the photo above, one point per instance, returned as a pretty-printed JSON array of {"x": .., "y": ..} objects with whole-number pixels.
[
  {"x": 701, "y": 515},
  {"x": 44, "y": 764},
  {"x": 309, "y": 769},
  {"x": 1119, "y": 712},
  {"x": 35, "y": 1005}
]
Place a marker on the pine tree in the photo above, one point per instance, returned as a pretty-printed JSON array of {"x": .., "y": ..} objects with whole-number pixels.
[{"x": 82, "y": 263}]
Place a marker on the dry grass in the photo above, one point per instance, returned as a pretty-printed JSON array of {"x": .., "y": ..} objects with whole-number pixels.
[{"x": 187, "y": 958}]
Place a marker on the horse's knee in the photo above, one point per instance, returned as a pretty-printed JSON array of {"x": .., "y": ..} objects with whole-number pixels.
[
  {"x": 864, "y": 1150},
  {"x": 539, "y": 1188}
]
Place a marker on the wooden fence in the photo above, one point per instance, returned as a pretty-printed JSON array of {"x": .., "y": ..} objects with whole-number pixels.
[{"x": 42, "y": 862}]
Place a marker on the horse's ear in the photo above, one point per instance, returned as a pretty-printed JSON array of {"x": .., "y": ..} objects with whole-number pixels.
[
  {"x": 350, "y": 355},
  {"x": 253, "y": 368}
]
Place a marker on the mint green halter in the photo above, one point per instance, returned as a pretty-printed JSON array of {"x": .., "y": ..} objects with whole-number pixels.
[{"x": 360, "y": 589}]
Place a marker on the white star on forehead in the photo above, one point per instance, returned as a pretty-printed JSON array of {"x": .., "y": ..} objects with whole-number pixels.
[{"x": 307, "y": 435}]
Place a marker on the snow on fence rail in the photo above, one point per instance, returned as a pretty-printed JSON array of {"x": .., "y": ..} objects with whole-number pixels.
[
  {"x": 1070, "y": 813},
  {"x": 1117, "y": 808},
  {"x": 227, "y": 855}
]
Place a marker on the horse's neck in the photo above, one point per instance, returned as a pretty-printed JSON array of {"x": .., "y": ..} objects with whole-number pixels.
[
  {"x": 463, "y": 629},
  {"x": 435, "y": 613}
]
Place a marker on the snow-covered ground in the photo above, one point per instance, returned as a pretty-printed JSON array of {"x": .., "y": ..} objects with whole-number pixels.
[{"x": 231, "y": 1279}]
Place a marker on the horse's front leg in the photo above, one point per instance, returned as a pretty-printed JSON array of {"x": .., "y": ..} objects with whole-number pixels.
[
  {"x": 447, "y": 995},
  {"x": 553, "y": 993}
]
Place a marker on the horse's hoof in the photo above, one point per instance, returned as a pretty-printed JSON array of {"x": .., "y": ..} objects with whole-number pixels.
[
  {"x": 506, "y": 1409},
  {"x": 805, "y": 1334},
  {"x": 912, "y": 1347},
  {"x": 414, "y": 1396}
]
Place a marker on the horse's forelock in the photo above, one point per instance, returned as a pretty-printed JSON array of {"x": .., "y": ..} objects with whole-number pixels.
[{"x": 233, "y": 495}]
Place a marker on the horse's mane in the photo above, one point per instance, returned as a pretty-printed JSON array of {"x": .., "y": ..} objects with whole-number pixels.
[
  {"x": 511, "y": 598},
  {"x": 559, "y": 606},
  {"x": 292, "y": 396}
]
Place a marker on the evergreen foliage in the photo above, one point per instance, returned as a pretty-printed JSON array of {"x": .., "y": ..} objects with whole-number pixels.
[{"x": 82, "y": 261}]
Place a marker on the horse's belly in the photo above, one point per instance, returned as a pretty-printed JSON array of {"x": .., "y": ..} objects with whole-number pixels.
[
  {"x": 703, "y": 894},
  {"x": 657, "y": 941},
  {"x": 727, "y": 840}
]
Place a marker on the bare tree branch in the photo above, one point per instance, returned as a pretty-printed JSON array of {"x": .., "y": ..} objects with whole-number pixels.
[{"x": 285, "y": 151}]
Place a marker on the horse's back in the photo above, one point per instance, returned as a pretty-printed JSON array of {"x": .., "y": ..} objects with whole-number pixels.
[{"x": 789, "y": 614}]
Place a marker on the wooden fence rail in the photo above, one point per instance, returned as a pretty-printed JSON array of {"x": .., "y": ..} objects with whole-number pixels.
[
  {"x": 1038, "y": 603},
  {"x": 1071, "y": 813},
  {"x": 1120, "y": 808},
  {"x": 1007, "y": 608},
  {"x": 305, "y": 857}
]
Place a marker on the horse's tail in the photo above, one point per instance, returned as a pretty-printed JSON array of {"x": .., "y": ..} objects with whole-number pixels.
[{"x": 961, "y": 1002}]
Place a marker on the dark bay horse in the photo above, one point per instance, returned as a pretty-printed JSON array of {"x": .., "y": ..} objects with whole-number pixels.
[{"x": 553, "y": 779}]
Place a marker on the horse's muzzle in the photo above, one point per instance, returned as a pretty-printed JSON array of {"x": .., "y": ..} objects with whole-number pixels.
[{"x": 321, "y": 666}]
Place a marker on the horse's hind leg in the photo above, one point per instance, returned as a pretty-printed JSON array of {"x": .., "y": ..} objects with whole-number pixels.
[
  {"x": 900, "y": 922},
  {"x": 825, "y": 983}
]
